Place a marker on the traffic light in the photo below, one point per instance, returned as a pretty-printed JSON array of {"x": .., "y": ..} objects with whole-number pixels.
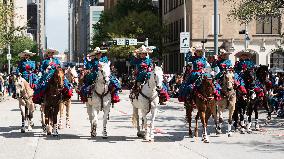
[
  {"x": 114, "y": 42},
  {"x": 126, "y": 42}
]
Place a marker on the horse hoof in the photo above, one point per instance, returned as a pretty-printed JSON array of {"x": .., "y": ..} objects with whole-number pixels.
[
  {"x": 93, "y": 135},
  {"x": 218, "y": 131},
  {"x": 105, "y": 137},
  {"x": 60, "y": 127},
  {"x": 55, "y": 134},
  {"x": 206, "y": 141},
  {"x": 23, "y": 130},
  {"x": 30, "y": 128},
  {"x": 242, "y": 131},
  {"x": 141, "y": 134},
  {"x": 48, "y": 133},
  {"x": 230, "y": 134}
]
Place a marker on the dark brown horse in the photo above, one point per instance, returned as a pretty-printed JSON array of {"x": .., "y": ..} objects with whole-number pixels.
[
  {"x": 52, "y": 99},
  {"x": 204, "y": 100},
  {"x": 205, "y": 103}
]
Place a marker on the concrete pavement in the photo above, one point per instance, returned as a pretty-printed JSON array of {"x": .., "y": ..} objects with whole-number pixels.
[{"x": 171, "y": 140}]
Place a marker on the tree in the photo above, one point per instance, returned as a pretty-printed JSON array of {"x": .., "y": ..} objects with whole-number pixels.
[
  {"x": 19, "y": 44},
  {"x": 247, "y": 10},
  {"x": 131, "y": 19}
]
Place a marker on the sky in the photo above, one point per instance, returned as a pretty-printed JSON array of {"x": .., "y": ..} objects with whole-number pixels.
[{"x": 57, "y": 24}]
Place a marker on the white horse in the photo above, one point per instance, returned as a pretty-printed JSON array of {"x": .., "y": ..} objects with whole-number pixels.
[
  {"x": 147, "y": 101},
  {"x": 100, "y": 99},
  {"x": 24, "y": 94},
  {"x": 228, "y": 101}
]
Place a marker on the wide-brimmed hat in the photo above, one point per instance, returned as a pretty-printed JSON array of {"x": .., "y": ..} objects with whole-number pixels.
[
  {"x": 143, "y": 49},
  {"x": 98, "y": 50},
  {"x": 223, "y": 52},
  {"x": 198, "y": 50},
  {"x": 26, "y": 52},
  {"x": 243, "y": 52},
  {"x": 53, "y": 51}
]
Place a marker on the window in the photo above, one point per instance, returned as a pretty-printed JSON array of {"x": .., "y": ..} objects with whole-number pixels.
[
  {"x": 96, "y": 16},
  {"x": 219, "y": 26},
  {"x": 277, "y": 60},
  {"x": 268, "y": 25}
]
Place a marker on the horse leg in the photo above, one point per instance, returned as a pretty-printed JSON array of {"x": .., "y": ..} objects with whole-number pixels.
[
  {"x": 231, "y": 111},
  {"x": 145, "y": 126},
  {"x": 135, "y": 122},
  {"x": 43, "y": 126},
  {"x": 196, "y": 124},
  {"x": 47, "y": 118},
  {"x": 189, "y": 110},
  {"x": 204, "y": 125},
  {"x": 30, "y": 117},
  {"x": 236, "y": 116},
  {"x": 61, "y": 112},
  {"x": 249, "y": 113},
  {"x": 54, "y": 119},
  {"x": 152, "y": 127},
  {"x": 268, "y": 108},
  {"x": 105, "y": 118},
  {"x": 22, "y": 108},
  {"x": 242, "y": 112},
  {"x": 256, "y": 118},
  {"x": 68, "y": 107}
]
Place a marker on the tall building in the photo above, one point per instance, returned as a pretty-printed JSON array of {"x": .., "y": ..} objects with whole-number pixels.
[
  {"x": 264, "y": 35},
  {"x": 95, "y": 14},
  {"x": 36, "y": 14},
  {"x": 78, "y": 29},
  {"x": 20, "y": 19}
]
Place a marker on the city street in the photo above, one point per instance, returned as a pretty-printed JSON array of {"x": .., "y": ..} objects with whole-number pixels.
[{"x": 171, "y": 140}]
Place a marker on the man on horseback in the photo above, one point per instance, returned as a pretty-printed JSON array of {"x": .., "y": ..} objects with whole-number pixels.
[
  {"x": 48, "y": 67},
  {"x": 143, "y": 66},
  {"x": 26, "y": 68},
  {"x": 223, "y": 62},
  {"x": 199, "y": 62},
  {"x": 93, "y": 64}
]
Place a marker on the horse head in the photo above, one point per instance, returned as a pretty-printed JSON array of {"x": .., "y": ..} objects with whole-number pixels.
[
  {"x": 228, "y": 80},
  {"x": 104, "y": 72},
  {"x": 207, "y": 87},
  {"x": 156, "y": 78},
  {"x": 19, "y": 84},
  {"x": 262, "y": 73},
  {"x": 58, "y": 77}
]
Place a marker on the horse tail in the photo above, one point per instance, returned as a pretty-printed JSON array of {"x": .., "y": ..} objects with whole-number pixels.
[{"x": 134, "y": 117}]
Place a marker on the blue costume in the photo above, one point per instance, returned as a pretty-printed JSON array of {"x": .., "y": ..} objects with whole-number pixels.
[
  {"x": 222, "y": 64},
  {"x": 26, "y": 68},
  {"x": 239, "y": 67},
  {"x": 143, "y": 68},
  {"x": 199, "y": 63},
  {"x": 93, "y": 66},
  {"x": 51, "y": 64}
]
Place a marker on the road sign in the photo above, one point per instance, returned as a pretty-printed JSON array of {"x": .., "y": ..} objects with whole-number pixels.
[
  {"x": 120, "y": 41},
  {"x": 184, "y": 42},
  {"x": 9, "y": 57},
  {"x": 132, "y": 41}
]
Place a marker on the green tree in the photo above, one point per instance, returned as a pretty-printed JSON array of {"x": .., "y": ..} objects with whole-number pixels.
[
  {"x": 19, "y": 44},
  {"x": 247, "y": 10},
  {"x": 131, "y": 19}
]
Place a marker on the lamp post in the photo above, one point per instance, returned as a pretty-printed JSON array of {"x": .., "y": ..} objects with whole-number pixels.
[{"x": 216, "y": 27}]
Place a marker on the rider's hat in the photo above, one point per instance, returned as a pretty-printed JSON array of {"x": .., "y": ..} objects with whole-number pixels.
[
  {"x": 98, "y": 50},
  {"x": 243, "y": 53},
  {"x": 51, "y": 51},
  {"x": 26, "y": 52},
  {"x": 223, "y": 53},
  {"x": 143, "y": 49},
  {"x": 198, "y": 50}
]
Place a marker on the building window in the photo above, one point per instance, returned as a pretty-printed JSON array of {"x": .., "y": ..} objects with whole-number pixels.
[
  {"x": 268, "y": 25},
  {"x": 277, "y": 60},
  {"x": 96, "y": 16}
]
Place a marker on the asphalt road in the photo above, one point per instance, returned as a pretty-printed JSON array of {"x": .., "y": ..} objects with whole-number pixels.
[{"x": 171, "y": 140}]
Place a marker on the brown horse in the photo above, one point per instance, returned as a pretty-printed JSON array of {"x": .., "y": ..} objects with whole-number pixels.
[
  {"x": 52, "y": 100},
  {"x": 205, "y": 102}
]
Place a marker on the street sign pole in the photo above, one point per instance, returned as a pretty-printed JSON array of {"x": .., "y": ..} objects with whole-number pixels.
[{"x": 9, "y": 59}]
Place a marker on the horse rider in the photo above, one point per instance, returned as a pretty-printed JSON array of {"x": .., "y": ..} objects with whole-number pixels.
[
  {"x": 48, "y": 68},
  {"x": 245, "y": 63},
  {"x": 143, "y": 66},
  {"x": 199, "y": 62},
  {"x": 26, "y": 68},
  {"x": 223, "y": 62},
  {"x": 92, "y": 64}
]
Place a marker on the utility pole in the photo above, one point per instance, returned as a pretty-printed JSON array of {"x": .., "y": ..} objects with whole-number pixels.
[
  {"x": 184, "y": 15},
  {"x": 216, "y": 27}
]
